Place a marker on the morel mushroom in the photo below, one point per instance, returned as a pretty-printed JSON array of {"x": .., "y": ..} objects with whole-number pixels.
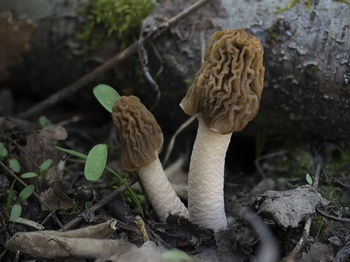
[
  {"x": 141, "y": 140},
  {"x": 224, "y": 96}
]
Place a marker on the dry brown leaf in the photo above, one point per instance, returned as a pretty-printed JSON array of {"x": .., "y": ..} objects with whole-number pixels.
[{"x": 14, "y": 37}]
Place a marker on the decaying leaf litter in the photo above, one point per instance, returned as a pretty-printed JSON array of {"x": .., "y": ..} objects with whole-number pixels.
[{"x": 62, "y": 195}]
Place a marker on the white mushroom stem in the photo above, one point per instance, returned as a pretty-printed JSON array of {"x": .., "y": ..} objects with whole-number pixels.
[
  {"x": 160, "y": 192},
  {"x": 206, "y": 179}
]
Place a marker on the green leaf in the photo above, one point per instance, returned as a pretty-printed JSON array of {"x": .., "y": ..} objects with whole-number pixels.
[
  {"x": 9, "y": 197},
  {"x": 14, "y": 165},
  {"x": 71, "y": 152},
  {"x": 175, "y": 254},
  {"x": 106, "y": 95},
  {"x": 26, "y": 192},
  {"x": 130, "y": 191},
  {"x": 45, "y": 166},
  {"x": 44, "y": 121},
  {"x": 15, "y": 212},
  {"x": 309, "y": 179},
  {"x": 3, "y": 151},
  {"x": 95, "y": 162},
  {"x": 29, "y": 175}
]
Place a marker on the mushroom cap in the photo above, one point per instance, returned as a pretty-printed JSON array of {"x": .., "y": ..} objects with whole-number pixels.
[
  {"x": 227, "y": 88},
  {"x": 139, "y": 133}
]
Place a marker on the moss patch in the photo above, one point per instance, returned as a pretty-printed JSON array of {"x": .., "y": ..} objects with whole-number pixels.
[
  {"x": 307, "y": 3},
  {"x": 113, "y": 19}
]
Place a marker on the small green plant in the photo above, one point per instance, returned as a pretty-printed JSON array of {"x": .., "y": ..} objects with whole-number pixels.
[
  {"x": 309, "y": 179},
  {"x": 43, "y": 168},
  {"x": 44, "y": 121},
  {"x": 14, "y": 165},
  {"x": 175, "y": 254},
  {"x": 26, "y": 192},
  {"x": 94, "y": 174},
  {"x": 95, "y": 161},
  {"x": 106, "y": 95},
  {"x": 23, "y": 195},
  {"x": 3, "y": 151}
]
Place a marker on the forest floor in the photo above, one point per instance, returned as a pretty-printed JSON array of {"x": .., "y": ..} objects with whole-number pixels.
[{"x": 59, "y": 198}]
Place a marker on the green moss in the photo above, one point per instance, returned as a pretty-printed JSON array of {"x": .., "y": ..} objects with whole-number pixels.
[
  {"x": 308, "y": 4},
  {"x": 271, "y": 35},
  {"x": 113, "y": 19},
  {"x": 290, "y": 5},
  {"x": 188, "y": 82},
  {"x": 310, "y": 69}
]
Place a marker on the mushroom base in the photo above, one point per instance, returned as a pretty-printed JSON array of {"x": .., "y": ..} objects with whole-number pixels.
[
  {"x": 206, "y": 179},
  {"x": 160, "y": 192}
]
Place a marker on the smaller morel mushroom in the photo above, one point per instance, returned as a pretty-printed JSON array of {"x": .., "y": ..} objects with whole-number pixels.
[
  {"x": 141, "y": 141},
  {"x": 224, "y": 96}
]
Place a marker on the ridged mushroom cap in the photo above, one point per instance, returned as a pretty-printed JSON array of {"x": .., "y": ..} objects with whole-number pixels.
[
  {"x": 227, "y": 88},
  {"x": 140, "y": 136}
]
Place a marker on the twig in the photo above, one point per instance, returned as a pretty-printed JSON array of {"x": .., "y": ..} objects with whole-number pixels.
[
  {"x": 3, "y": 221},
  {"x": 45, "y": 220},
  {"x": 340, "y": 219},
  {"x": 3, "y": 254},
  {"x": 126, "y": 226},
  {"x": 317, "y": 175},
  {"x": 30, "y": 223},
  {"x": 268, "y": 251},
  {"x": 341, "y": 183},
  {"x": 267, "y": 156},
  {"x": 114, "y": 61},
  {"x": 172, "y": 140},
  {"x": 80, "y": 83},
  {"x": 21, "y": 148},
  {"x": 104, "y": 201},
  {"x": 156, "y": 52},
  {"x": 143, "y": 56},
  {"x": 141, "y": 226},
  {"x": 202, "y": 43},
  {"x": 34, "y": 193},
  {"x": 294, "y": 253}
]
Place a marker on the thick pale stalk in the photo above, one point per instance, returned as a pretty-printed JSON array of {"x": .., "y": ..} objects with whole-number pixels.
[
  {"x": 160, "y": 192},
  {"x": 206, "y": 179}
]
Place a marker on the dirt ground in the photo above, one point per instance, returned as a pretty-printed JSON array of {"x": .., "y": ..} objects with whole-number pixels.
[{"x": 282, "y": 164}]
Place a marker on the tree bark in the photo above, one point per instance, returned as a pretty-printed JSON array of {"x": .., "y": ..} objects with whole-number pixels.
[{"x": 307, "y": 59}]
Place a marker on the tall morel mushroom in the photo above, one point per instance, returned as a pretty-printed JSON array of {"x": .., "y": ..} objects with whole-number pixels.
[
  {"x": 141, "y": 140},
  {"x": 224, "y": 96}
]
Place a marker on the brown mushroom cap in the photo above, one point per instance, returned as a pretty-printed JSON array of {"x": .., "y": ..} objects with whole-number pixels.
[
  {"x": 140, "y": 135},
  {"x": 227, "y": 88}
]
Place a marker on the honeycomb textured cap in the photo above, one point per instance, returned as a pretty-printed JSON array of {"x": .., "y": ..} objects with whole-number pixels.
[
  {"x": 140, "y": 136},
  {"x": 227, "y": 88}
]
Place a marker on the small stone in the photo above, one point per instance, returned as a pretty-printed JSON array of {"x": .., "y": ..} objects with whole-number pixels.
[
  {"x": 334, "y": 240},
  {"x": 288, "y": 208}
]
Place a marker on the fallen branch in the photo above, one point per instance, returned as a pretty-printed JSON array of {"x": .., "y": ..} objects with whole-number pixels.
[
  {"x": 85, "y": 242},
  {"x": 339, "y": 219},
  {"x": 172, "y": 140},
  {"x": 114, "y": 61}
]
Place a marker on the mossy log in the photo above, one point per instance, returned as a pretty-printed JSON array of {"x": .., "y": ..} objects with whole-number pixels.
[{"x": 307, "y": 58}]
